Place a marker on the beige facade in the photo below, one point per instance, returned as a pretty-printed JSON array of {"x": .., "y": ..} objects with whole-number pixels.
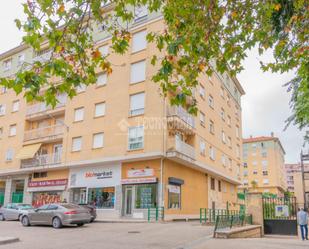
[
  {"x": 123, "y": 121},
  {"x": 263, "y": 165}
]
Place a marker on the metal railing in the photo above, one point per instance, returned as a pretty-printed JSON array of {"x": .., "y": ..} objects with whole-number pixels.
[
  {"x": 155, "y": 214},
  {"x": 42, "y": 160},
  {"x": 208, "y": 215},
  {"x": 43, "y": 132},
  {"x": 184, "y": 148},
  {"x": 42, "y": 107},
  {"x": 230, "y": 221},
  {"x": 182, "y": 114}
]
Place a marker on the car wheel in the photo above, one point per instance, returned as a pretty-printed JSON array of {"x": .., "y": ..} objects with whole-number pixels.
[
  {"x": 2, "y": 217},
  {"x": 25, "y": 221},
  {"x": 80, "y": 224},
  {"x": 92, "y": 220},
  {"x": 57, "y": 223},
  {"x": 19, "y": 217}
]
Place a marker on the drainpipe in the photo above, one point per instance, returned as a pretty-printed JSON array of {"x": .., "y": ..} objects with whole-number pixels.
[{"x": 164, "y": 121}]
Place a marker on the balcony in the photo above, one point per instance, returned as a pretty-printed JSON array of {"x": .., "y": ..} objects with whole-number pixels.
[
  {"x": 42, "y": 160},
  {"x": 179, "y": 119},
  {"x": 179, "y": 148},
  {"x": 44, "y": 134},
  {"x": 41, "y": 110}
]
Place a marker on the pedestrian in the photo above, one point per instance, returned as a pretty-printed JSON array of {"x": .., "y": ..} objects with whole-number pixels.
[{"x": 302, "y": 219}]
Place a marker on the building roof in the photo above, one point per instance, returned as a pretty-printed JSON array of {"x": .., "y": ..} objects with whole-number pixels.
[{"x": 261, "y": 139}]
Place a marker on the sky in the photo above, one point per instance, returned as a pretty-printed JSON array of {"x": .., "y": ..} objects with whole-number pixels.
[{"x": 265, "y": 106}]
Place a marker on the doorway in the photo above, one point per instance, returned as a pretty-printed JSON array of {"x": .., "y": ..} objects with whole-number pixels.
[{"x": 128, "y": 200}]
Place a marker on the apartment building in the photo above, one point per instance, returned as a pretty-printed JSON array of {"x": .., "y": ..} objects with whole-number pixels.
[
  {"x": 119, "y": 144},
  {"x": 263, "y": 165},
  {"x": 290, "y": 170}
]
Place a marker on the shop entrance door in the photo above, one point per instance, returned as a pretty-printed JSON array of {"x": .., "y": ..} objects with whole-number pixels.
[{"x": 128, "y": 200}]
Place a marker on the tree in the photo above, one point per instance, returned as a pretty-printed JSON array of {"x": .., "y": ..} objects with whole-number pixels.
[{"x": 200, "y": 37}]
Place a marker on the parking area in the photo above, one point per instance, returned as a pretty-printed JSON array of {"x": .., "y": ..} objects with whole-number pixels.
[{"x": 107, "y": 235}]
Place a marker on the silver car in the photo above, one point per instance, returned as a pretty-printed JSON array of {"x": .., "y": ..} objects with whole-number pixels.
[
  {"x": 14, "y": 211},
  {"x": 57, "y": 215}
]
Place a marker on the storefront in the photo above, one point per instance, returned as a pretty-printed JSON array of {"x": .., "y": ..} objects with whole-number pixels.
[
  {"x": 99, "y": 186},
  {"x": 140, "y": 192},
  {"x": 48, "y": 191}
]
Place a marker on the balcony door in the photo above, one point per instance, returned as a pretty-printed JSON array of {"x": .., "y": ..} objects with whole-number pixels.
[{"x": 57, "y": 153}]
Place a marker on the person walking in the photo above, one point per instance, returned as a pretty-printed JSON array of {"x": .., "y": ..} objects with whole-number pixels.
[{"x": 302, "y": 219}]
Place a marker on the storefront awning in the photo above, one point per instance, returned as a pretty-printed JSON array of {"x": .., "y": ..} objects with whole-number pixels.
[{"x": 28, "y": 151}]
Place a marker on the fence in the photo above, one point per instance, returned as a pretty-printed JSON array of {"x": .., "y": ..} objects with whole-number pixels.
[
  {"x": 155, "y": 214},
  {"x": 284, "y": 208},
  {"x": 229, "y": 221},
  {"x": 209, "y": 215}
]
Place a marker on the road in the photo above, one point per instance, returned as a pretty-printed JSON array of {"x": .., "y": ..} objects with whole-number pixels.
[{"x": 177, "y": 235}]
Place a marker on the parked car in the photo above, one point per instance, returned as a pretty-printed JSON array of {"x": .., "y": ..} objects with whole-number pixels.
[
  {"x": 57, "y": 215},
  {"x": 14, "y": 211},
  {"x": 92, "y": 210}
]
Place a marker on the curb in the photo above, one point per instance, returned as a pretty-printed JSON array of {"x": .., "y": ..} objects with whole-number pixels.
[
  {"x": 8, "y": 240},
  {"x": 121, "y": 221}
]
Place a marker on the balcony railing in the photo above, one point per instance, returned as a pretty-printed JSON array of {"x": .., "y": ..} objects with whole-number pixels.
[
  {"x": 43, "y": 132},
  {"x": 42, "y": 160},
  {"x": 184, "y": 148},
  {"x": 182, "y": 114},
  {"x": 42, "y": 107}
]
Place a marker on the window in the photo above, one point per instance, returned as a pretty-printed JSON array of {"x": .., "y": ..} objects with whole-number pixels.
[
  {"x": 202, "y": 91},
  {"x": 254, "y": 163},
  {"x": 12, "y": 130},
  {"x": 219, "y": 186},
  {"x": 138, "y": 72},
  {"x": 246, "y": 181},
  {"x": 99, "y": 109},
  {"x": 245, "y": 165},
  {"x": 39, "y": 174},
  {"x": 211, "y": 127},
  {"x": 212, "y": 153},
  {"x": 81, "y": 88},
  {"x": 102, "y": 79},
  {"x": 79, "y": 114},
  {"x": 223, "y": 137},
  {"x": 237, "y": 131},
  {"x": 9, "y": 155},
  {"x": 265, "y": 181},
  {"x": 104, "y": 50},
  {"x": 222, "y": 92},
  {"x": 238, "y": 151},
  {"x": 76, "y": 144},
  {"x": 255, "y": 172},
  {"x": 229, "y": 120},
  {"x": 212, "y": 183},
  {"x": 98, "y": 140},
  {"x": 223, "y": 160},
  {"x": 222, "y": 114},
  {"x": 1, "y": 132},
  {"x": 136, "y": 138},
  {"x": 102, "y": 198},
  {"x": 137, "y": 104},
  {"x": 253, "y": 146},
  {"x": 264, "y": 163},
  {"x": 2, "y": 110},
  {"x": 3, "y": 89},
  {"x": 265, "y": 173},
  {"x": 145, "y": 196},
  {"x": 228, "y": 99},
  {"x": 140, "y": 12},
  {"x": 202, "y": 118},
  {"x": 7, "y": 65},
  {"x": 245, "y": 172},
  {"x": 211, "y": 101},
  {"x": 232, "y": 189},
  {"x": 229, "y": 142},
  {"x": 202, "y": 147},
  {"x": 15, "y": 106},
  {"x": 230, "y": 163},
  {"x": 21, "y": 59},
  {"x": 174, "y": 196},
  {"x": 264, "y": 154},
  {"x": 139, "y": 41}
]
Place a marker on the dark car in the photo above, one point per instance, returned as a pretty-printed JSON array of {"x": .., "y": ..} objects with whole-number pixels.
[{"x": 92, "y": 210}]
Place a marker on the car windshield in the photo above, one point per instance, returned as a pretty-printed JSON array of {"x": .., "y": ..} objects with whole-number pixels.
[{"x": 25, "y": 206}]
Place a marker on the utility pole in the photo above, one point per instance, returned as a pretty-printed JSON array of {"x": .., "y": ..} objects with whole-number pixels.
[{"x": 304, "y": 157}]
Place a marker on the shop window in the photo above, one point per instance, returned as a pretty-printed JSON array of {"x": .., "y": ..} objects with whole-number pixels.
[
  {"x": 42, "y": 198},
  {"x": 103, "y": 198},
  {"x": 212, "y": 184},
  {"x": 174, "y": 196},
  {"x": 146, "y": 196}
]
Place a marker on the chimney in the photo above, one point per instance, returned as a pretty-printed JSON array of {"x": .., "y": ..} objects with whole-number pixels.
[{"x": 272, "y": 134}]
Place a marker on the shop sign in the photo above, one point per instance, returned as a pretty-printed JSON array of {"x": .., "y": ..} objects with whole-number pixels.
[
  {"x": 48, "y": 183},
  {"x": 99, "y": 175},
  {"x": 139, "y": 180},
  {"x": 140, "y": 172},
  {"x": 174, "y": 189}
]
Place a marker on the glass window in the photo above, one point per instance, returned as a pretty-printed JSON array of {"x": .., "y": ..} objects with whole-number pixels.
[
  {"x": 15, "y": 106},
  {"x": 146, "y": 196},
  {"x": 137, "y": 104},
  {"x": 211, "y": 127},
  {"x": 212, "y": 183},
  {"x": 76, "y": 143},
  {"x": 202, "y": 147},
  {"x": 2, "y": 110},
  {"x": 136, "y": 137},
  {"x": 138, "y": 72},
  {"x": 104, "y": 50},
  {"x": 202, "y": 118},
  {"x": 7, "y": 65},
  {"x": 21, "y": 59},
  {"x": 9, "y": 155},
  {"x": 99, "y": 109},
  {"x": 78, "y": 114},
  {"x": 219, "y": 186},
  {"x": 140, "y": 12},
  {"x": 139, "y": 41},
  {"x": 211, "y": 101},
  {"x": 102, "y": 79},
  {"x": 98, "y": 140},
  {"x": 212, "y": 153},
  {"x": 202, "y": 91},
  {"x": 13, "y": 130},
  {"x": 102, "y": 197},
  {"x": 174, "y": 196},
  {"x": 81, "y": 88}
]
